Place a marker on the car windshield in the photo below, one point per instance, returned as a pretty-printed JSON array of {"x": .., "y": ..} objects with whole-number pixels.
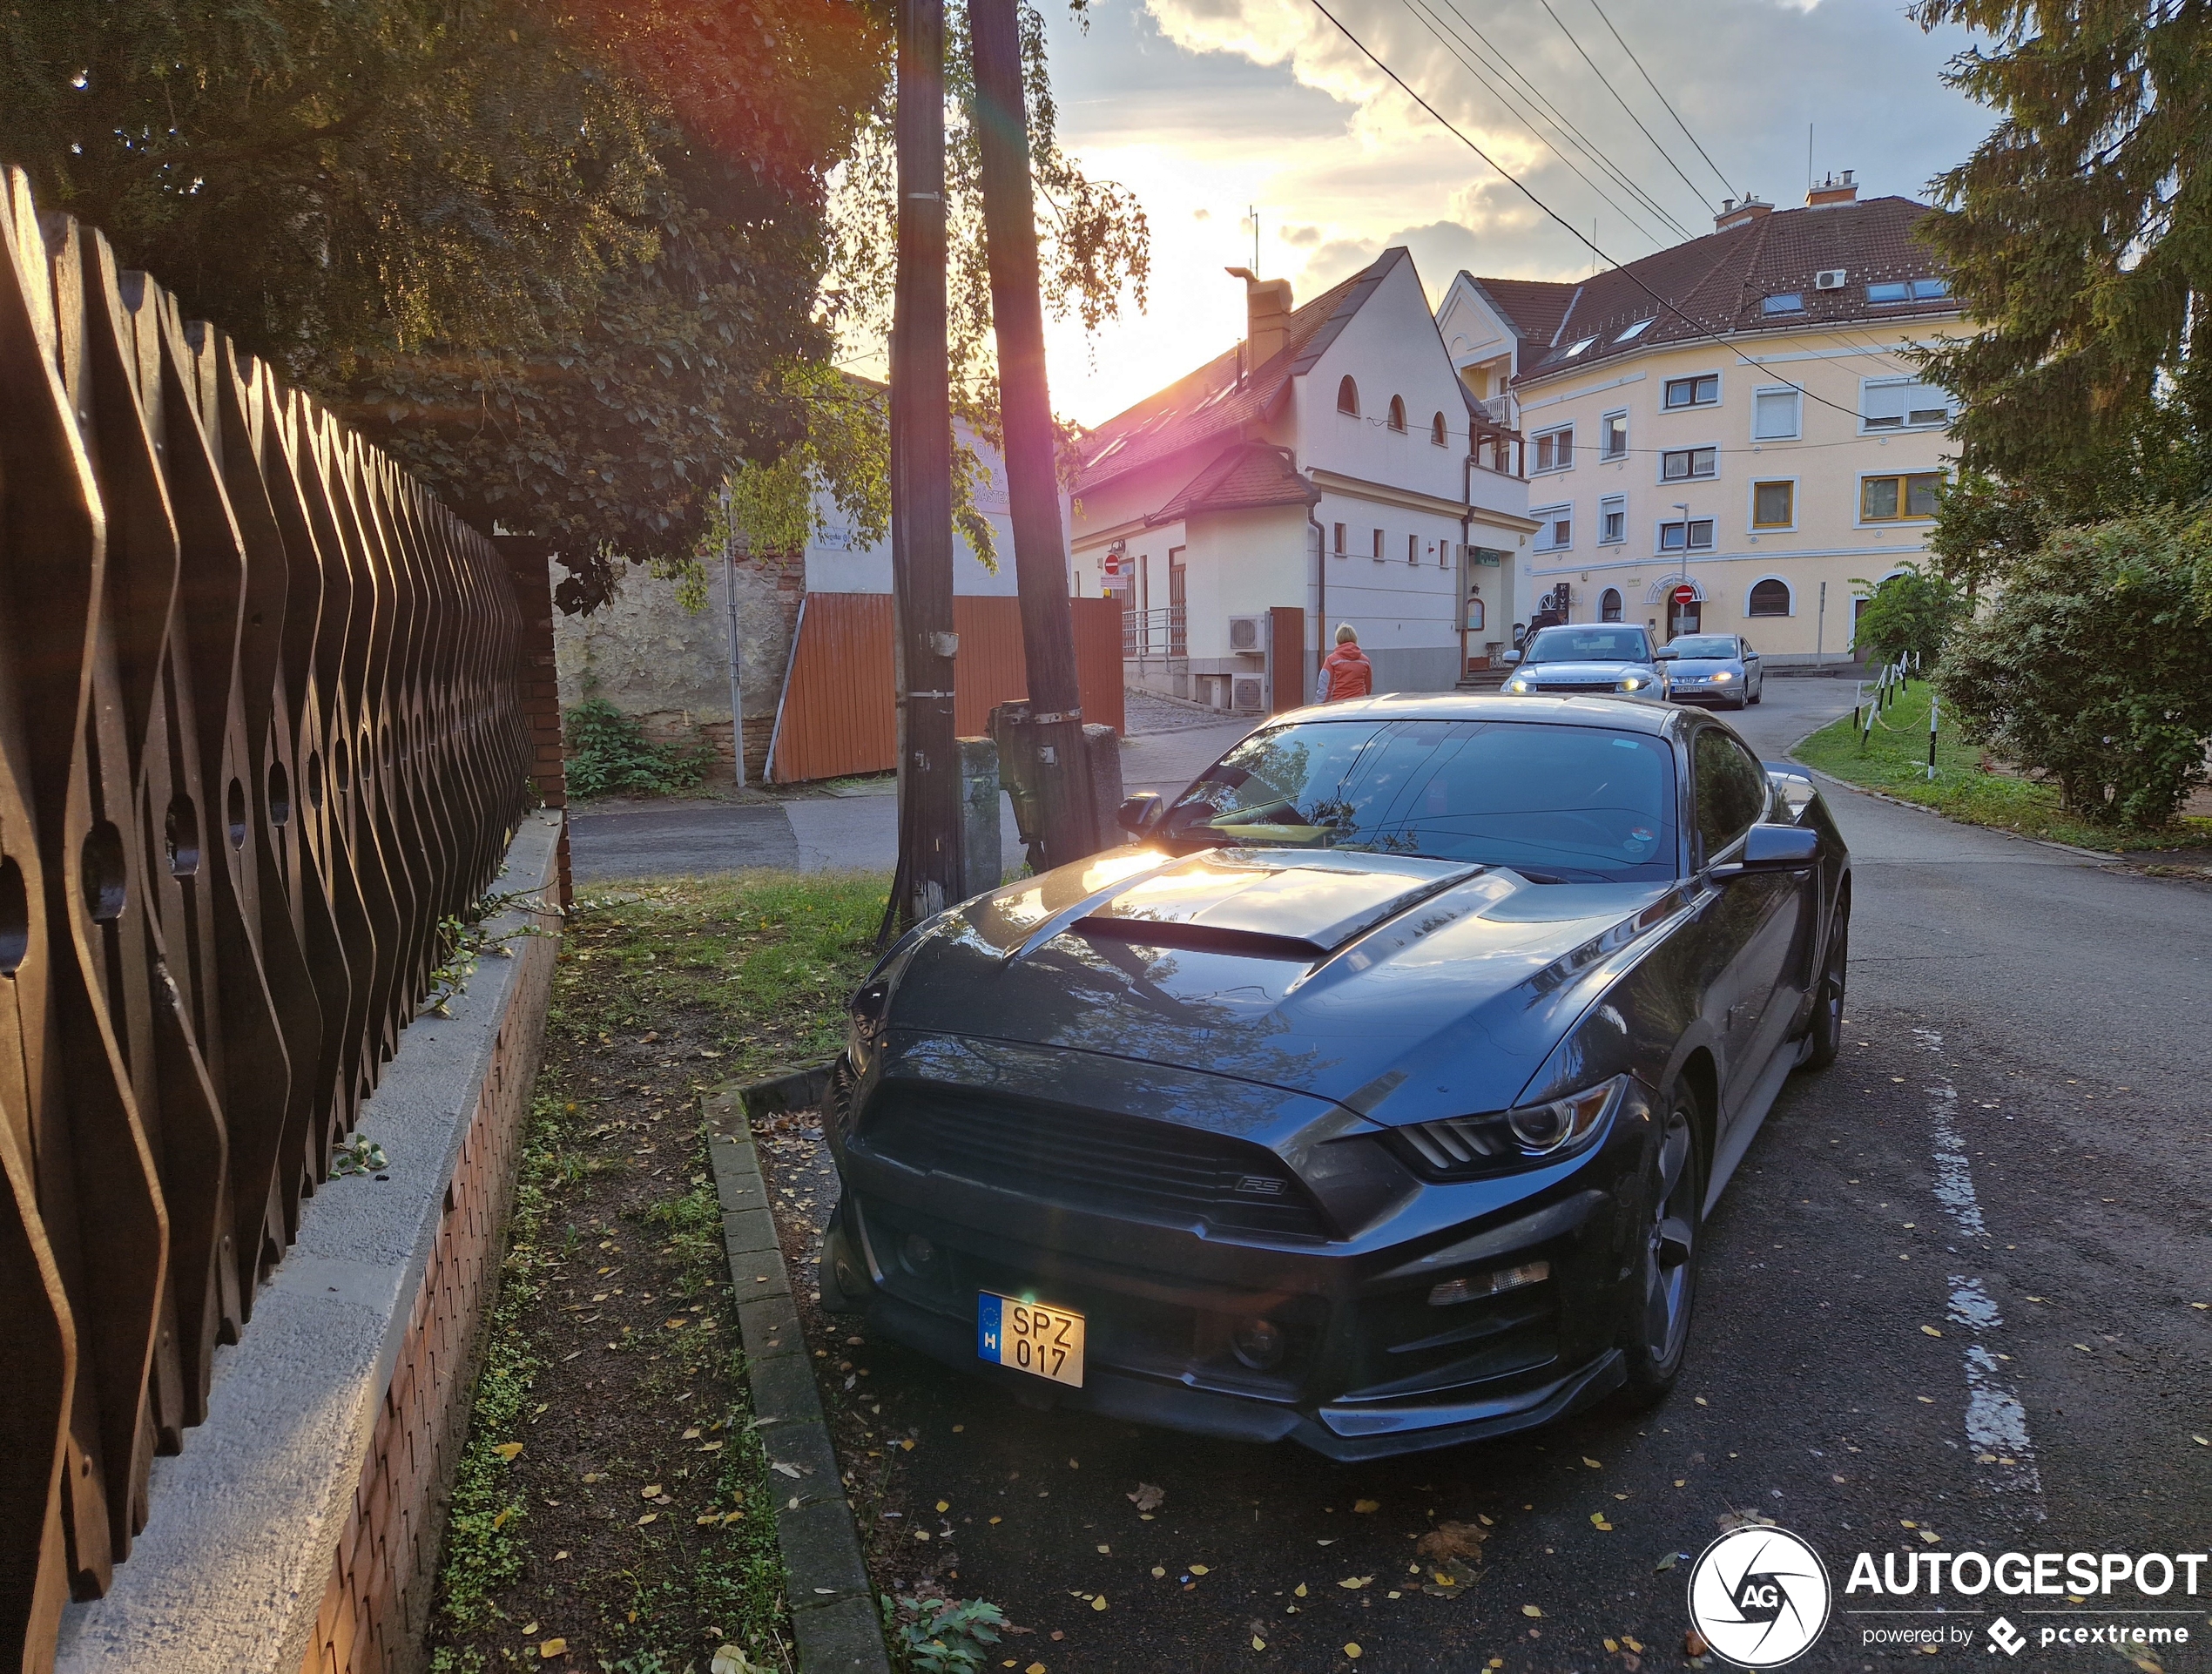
[
  {"x": 1703, "y": 645},
  {"x": 1560, "y": 804},
  {"x": 1587, "y": 645}
]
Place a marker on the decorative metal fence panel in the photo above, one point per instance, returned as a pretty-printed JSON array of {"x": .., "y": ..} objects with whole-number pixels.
[{"x": 259, "y": 737}]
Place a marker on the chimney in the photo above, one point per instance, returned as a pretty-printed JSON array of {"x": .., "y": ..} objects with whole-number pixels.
[
  {"x": 1267, "y": 316},
  {"x": 1739, "y": 215},
  {"x": 1832, "y": 190}
]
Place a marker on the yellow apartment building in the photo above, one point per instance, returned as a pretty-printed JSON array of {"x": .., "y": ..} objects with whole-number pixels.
[{"x": 1732, "y": 415}]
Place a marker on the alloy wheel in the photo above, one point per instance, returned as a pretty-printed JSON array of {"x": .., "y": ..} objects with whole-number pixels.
[{"x": 1669, "y": 1270}]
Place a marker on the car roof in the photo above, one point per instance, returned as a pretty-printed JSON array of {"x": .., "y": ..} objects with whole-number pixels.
[{"x": 1624, "y": 714}]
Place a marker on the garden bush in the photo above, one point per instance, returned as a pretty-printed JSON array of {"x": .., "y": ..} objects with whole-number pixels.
[{"x": 610, "y": 755}]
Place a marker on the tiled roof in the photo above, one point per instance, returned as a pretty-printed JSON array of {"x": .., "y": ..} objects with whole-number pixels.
[
  {"x": 1720, "y": 283},
  {"x": 1244, "y": 476},
  {"x": 1213, "y": 400}
]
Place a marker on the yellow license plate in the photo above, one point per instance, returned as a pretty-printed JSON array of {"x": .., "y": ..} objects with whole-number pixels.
[{"x": 1030, "y": 1337}]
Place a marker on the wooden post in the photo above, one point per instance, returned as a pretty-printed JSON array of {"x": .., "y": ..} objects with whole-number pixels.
[
  {"x": 1069, "y": 824},
  {"x": 921, "y": 486}
]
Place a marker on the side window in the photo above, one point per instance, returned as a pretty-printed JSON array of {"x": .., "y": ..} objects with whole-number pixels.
[{"x": 1731, "y": 790}]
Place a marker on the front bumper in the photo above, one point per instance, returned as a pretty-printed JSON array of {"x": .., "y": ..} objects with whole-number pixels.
[{"x": 1370, "y": 1366}]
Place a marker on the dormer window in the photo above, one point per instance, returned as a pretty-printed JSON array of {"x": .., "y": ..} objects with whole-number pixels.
[
  {"x": 1397, "y": 414},
  {"x": 1348, "y": 397},
  {"x": 1437, "y": 433}
]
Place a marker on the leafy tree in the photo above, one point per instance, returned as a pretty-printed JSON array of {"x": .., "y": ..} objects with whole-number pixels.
[
  {"x": 1910, "y": 615},
  {"x": 2095, "y": 667}
]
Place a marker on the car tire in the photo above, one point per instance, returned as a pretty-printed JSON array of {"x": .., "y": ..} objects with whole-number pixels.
[
  {"x": 1758, "y": 692},
  {"x": 1826, "y": 1034},
  {"x": 1662, "y": 1283}
]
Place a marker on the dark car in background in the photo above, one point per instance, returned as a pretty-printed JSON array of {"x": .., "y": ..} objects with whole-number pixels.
[
  {"x": 1720, "y": 669},
  {"x": 1589, "y": 657},
  {"x": 1375, "y": 1101}
]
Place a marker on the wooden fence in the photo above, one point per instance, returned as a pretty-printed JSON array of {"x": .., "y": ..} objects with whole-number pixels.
[
  {"x": 838, "y": 713},
  {"x": 259, "y": 739}
]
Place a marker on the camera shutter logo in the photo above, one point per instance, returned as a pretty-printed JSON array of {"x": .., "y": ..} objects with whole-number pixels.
[{"x": 1760, "y": 1596}]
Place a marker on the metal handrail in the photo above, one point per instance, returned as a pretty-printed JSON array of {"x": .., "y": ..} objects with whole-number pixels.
[{"x": 1162, "y": 632}]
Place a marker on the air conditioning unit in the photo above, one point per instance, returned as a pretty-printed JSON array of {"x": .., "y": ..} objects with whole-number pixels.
[
  {"x": 1248, "y": 637},
  {"x": 1246, "y": 692},
  {"x": 1830, "y": 279}
]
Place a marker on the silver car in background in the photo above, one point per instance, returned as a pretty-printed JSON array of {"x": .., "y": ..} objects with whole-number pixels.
[
  {"x": 1583, "y": 658},
  {"x": 1720, "y": 669}
]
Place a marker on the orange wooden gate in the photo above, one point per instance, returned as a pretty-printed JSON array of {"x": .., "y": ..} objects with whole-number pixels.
[{"x": 838, "y": 715}]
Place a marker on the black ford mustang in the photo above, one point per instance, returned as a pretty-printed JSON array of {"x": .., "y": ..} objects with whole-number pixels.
[{"x": 1376, "y": 1100}]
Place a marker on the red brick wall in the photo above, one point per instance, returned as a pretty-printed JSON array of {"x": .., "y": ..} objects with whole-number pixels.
[
  {"x": 527, "y": 561},
  {"x": 377, "y": 1603}
]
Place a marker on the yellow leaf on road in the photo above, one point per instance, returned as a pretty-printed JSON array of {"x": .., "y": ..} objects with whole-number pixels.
[
  {"x": 1592, "y": 1463},
  {"x": 552, "y": 1648},
  {"x": 1198, "y": 1569},
  {"x": 1931, "y": 1331},
  {"x": 508, "y": 1450},
  {"x": 1259, "y": 1643},
  {"x": 1352, "y": 1583},
  {"x": 1530, "y": 1609},
  {"x": 1099, "y": 1602},
  {"x": 650, "y": 1491},
  {"x": 1598, "y": 1521},
  {"x": 650, "y": 1516},
  {"x": 1352, "y": 1651},
  {"x": 1299, "y": 1591},
  {"x": 1366, "y": 1506}
]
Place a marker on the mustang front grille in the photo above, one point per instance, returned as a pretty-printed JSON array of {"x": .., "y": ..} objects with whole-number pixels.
[{"x": 1090, "y": 1159}]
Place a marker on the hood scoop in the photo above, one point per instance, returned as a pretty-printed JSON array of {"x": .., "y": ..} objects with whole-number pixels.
[{"x": 1304, "y": 906}]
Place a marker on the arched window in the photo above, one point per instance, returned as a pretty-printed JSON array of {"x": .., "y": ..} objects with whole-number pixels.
[
  {"x": 1397, "y": 413},
  {"x": 1348, "y": 396},
  {"x": 1768, "y": 597},
  {"x": 1608, "y": 605},
  {"x": 1437, "y": 433}
]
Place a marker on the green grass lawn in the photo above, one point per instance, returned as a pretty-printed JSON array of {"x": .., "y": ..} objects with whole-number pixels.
[
  {"x": 1894, "y": 760},
  {"x": 613, "y": 1508}
]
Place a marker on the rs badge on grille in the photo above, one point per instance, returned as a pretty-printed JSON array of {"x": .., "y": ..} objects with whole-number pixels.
[{"x": 1258, "y": 1185}]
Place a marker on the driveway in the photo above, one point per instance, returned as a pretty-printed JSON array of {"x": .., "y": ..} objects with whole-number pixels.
[{"x": 1959, "y": 1297}]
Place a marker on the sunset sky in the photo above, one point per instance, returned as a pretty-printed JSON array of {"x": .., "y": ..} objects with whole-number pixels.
[{"x": 1205, "y": 106}]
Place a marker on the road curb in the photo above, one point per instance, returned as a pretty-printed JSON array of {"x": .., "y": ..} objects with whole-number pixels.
[
  {"x": 2105, "y": 856},
  {"x": 835, "y": 1619},
  {"x": 802, "y": 1089}
]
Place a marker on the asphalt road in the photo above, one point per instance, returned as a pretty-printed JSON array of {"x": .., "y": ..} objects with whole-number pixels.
[{"x": 1952, "y": 1300}]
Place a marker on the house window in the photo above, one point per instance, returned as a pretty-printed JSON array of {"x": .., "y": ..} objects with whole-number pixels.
[
  {"x": 1770, "y": 597},
  {"x": 1377, "y": 546},
  {"x": 1348, "y": 397},
  {"x": 1704, "y": 390},
  {"x": 1555, "y": 530},
  {"x": 1555, "y": 449},
  {"x": 1893, "y": 499},
  {"x": 1774, "y": 505},
  {"x": 1694, "y": 534},
  {"x": 1436, "y": 432},
  {"x": 1774, "y": 415},
  {"x": 1608, "y": 605},
  {"x": 1412, "y": 549},
  {"x": 1338, "y": 547},
  {"x": 1902, "y": 404},
  {"x": 1680, "y": 464},
  {"x": 1783, "y": 302},
  {"x": 1612, "y": 520},
  {"x": 1397, "y": 414},
  {"x": 1613, "y": 436}
]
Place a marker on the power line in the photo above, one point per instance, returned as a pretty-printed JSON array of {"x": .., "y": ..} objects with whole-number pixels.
[
  {"x": 1420, "y": 12},
  {"x": 1622, "y": 103},
  {"x": 1662, "y": 98},
  {"x": 1704, "y": 330}
]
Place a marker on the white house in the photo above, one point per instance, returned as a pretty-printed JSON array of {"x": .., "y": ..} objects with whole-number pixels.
[{"x": 1333, "y": 464}]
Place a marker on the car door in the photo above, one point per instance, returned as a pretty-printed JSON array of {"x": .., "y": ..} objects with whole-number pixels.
[
  {"x": 1754, "y": 671},
  {"x": 1751, "y": 918}
]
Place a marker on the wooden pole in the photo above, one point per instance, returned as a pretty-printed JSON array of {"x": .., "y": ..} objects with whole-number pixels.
[
  {"x": 1054, "y": 719},
  {"x": 921, "y": 486}
]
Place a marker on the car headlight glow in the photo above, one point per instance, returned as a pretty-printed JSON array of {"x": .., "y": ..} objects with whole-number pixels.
[
  {"x": 1632, "y": 683},
  {"x": 863, "y": 1024},
  {"x": 1720, "y": 674},
  {"x": 1517, "y": 685},
  {"x": 1528, "y": 1133}
]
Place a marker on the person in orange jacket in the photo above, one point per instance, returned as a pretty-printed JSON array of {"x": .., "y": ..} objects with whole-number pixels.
[{"x": 1345, "y": 672}]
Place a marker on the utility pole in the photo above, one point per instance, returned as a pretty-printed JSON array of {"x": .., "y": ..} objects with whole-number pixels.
[
  {"x": 1054, "y": 725},
  {"x": 921, "y": 487}
]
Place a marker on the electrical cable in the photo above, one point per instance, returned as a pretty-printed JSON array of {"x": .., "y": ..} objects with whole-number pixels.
[
  {"x": 1622, "y": 103},
  {"x": 1662, "y": 98}
]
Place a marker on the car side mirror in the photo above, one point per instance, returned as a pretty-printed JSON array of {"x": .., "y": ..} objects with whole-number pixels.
[
  {"x": 1772, "y": 848},
  {"x": 1138, "y": 812},
  {"x": 1665, "y": 654},
  {"x": 1510, "y": 657}
]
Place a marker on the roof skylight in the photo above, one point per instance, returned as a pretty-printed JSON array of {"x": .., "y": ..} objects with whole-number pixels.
[
  {"x": 1637, "y": 330},
  {"x": 1578, "y": 348}
]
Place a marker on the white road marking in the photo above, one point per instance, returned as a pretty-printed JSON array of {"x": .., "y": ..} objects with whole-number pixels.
[{"x": 1996, "y": 1422}]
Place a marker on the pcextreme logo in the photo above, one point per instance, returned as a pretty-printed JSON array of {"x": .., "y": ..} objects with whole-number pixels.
[{"x": 1760, "y": 1596}]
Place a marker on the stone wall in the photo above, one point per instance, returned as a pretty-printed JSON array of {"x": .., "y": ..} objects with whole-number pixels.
[{"x": 650, "y": 658}]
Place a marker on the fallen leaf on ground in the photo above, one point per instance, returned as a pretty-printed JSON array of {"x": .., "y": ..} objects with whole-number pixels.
[
  {"x": 552, "y": 1648},
  {"x": 1930, "y": 1535},
  {"x": 1299, "y": 1591},
  {"x": 1530, "y": 1609},
  {"x": 508, "y": 1450},
  {"x": 1148, "y": 1496},
  {"x": 1668, "y": 1561},
  {"x": 1259, "y": 1643},
  {"x": 1352, "y": 1651},
  {"x": 1099, "y": 1602},
  {"x": 1592, "y": 1463},
  {"x": 1930, "y": 1330},
  {"x": 1598, "y": 1521},
  {"x": 1363, "y": 1507},
  {"x": 1198, "y": 1569},
  {"x": 731, "y": 1659},
  {"x": 652, "y": 1490},
  {"x": 648, "y": 1517},
  {"x": 1693, "y": 1643},
  {"x": 1158, "y": 1573},
  {"x": 1451, "y": 1540},
  {"x": 944, "y": 1505},
  {"x": 1353, "y": 1583}
]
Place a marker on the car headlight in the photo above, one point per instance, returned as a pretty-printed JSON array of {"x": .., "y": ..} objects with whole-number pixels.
[
  {"x": 1633, "y": 683},
  {"x": 1528, "y": 1133},
  {"x": 1720, "y": 674},
  {"x": 1517, "y": 685}
]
